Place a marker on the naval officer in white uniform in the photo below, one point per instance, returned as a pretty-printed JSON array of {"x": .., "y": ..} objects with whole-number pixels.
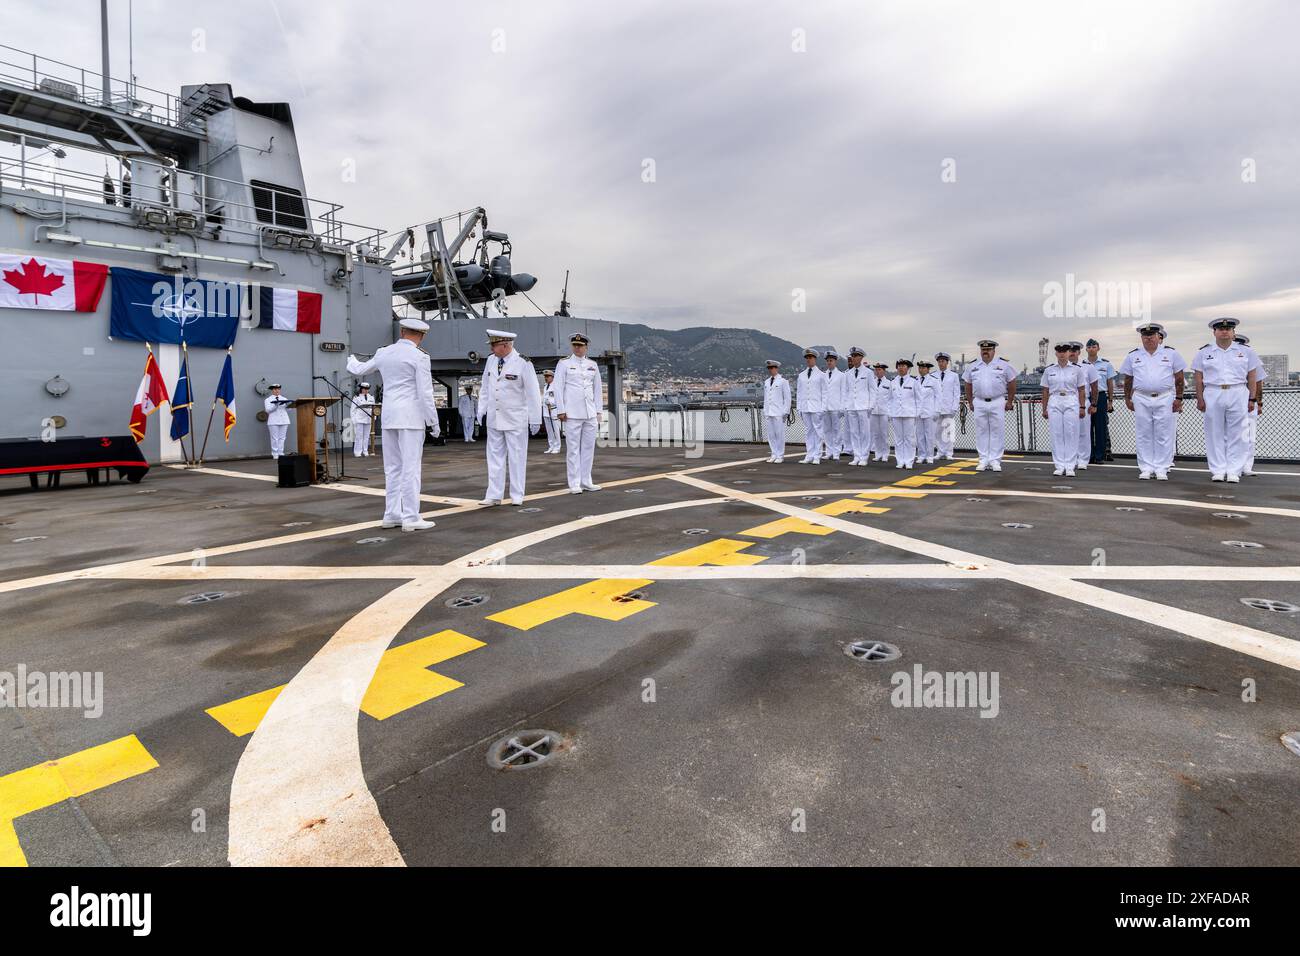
[
  {"x": 928, "y": 414},
  {"x": 553, "y": 446},
  {"x": 277, "y": 419},
  {"x": 363, "y": 416},
  {"x": 859, "y": 400},
  {"x": 1065, "y": 408},
  {"x": 1257, "y": 406},
  {"x": 577, "y": 404},
  {"x": 1092, "y": 383},
  {"x": 810, "y": 399},
  {"x": 1153, "y": 388},
  {"x": 1225, "y": 375},
  {"x": 468, "y": 409},
  {"x": 409, "y": 409},
  {"x": 833, "y": 417},
  {"x": 776, "y": 406},
  {"x": 510, "y": 406},
  {"x": 991, "y": 393},
  {"x": 904, "y": 407},
  {"x": 879, "y": 438},
  {"x": 949, "y": 404}
]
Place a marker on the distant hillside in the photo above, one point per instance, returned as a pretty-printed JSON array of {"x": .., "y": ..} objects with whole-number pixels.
[{"x": 705, "y": 352}]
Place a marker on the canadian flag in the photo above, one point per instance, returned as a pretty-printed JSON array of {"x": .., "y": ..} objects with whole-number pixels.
[
  {"x": 151, "y": 393},
  {"x": 34, "y": 282}
]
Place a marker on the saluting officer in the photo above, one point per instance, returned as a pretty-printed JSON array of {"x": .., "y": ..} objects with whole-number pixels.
[
  {"x": 927, "y": 413},
  {"x": 468, "y": 408},
  {"x": 833, "y": 417},
  {"x": 1092, "y": 383},
  {"x": 363, "y": 416},
  {"x": 577, "y": 405},
  {"x": 510, "y": 406},
  {"x": 904, "y": 406},
  {"x": 1064, "y": 407},
  {"x": 277, "y": 419},
  {"x": 1252, "y": 432},
  {"x": 1099, "y": 438},
  {"x": 548, "y": 413},
  {"x": 949, "y": 405},
  {"x": 776, "y": 406},
  {"x": 860, "y": 399},
  {"x": 1225, "y": 375},
  {"x": 409, "y": 409},
  {"x": 810, "y": 390},
  {"x": 991, "y": 393},
  {"x": 880, "y": 413},
  {"x": 1153, "y": 388}
]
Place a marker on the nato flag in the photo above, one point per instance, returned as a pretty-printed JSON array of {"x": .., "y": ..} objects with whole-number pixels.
[{"x": 182, "y": 402}]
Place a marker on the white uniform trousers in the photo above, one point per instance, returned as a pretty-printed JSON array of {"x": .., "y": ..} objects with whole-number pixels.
[
  {"x": 774, "y": 425},
  {"x": 552, "y": 433},
  {"x": 1227, "y": 426},
  {"x": 361, "y": 439},
  {"x": 1064, "y": 423},
  {"x": 1252, "y": 435},
  {"x": 831, "y": 429},
  {"x": 277, "y": 438},
  {"x": 1084, "y": 441},
  {"x": 506, "y": 450},
  {"x": 580, "y": 439},
  {"x": 904, "y": 440},
  {"x": 880, "y": 435},
  {"x": 467, "y": 428},
  {"x": 1153, "y": 421},
  {"x": 812, "y": 435},
  {"x": 945, "y": 434},
  {"x": 859, "y": 433},
  {"x": 990, "y": 428},
  {"x": 925, "y": 437},
  {"x": 403, "y": 452}
]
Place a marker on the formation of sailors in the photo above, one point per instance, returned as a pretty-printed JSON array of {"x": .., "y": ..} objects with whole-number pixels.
[{"x": 853, "y": 411}]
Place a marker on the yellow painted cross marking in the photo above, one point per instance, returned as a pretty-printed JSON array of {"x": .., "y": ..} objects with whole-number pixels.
[
  {"x": 847, "y": 505},
  {"x": 54, "y": 781},
  {"x": 882, "y": 495},
  {"x": 917, "y": 480},
  {"x": 603, "y": 598},
  {"x": 774, "y": 529},
  {"x": 401, "y": 681},
  {"x": 724, "y": 551}
]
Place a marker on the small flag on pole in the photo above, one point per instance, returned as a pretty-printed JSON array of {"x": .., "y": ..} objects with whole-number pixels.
[
  {"x": 182, "y": 402},
  {"x": 151, "y": 393},
  {"x": 226, "y": 393}
]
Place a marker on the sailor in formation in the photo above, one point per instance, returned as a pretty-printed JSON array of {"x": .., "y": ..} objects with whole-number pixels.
[
  {"x": 1225, "y": 375},
  {"x": 904, "y": 407},
  {"x": 949, "y": 404},
  {"x": 548, "y": 414},
  {"x": 1153, "y": 382},
  {"x": 577, "y": 390},
  {"x": 859, "y": 400},
  {"x": 833, "y": 417},
  {"x": 991, "y": 393},
  {"x": 1065, "y": 408},
  {"x": 1099, "y": 422},
  {"x": 409, "y": 410},
  {"x": 810, "y": 392},
  {"x": 363, "y": 416},
  {"x": 510, "y": 406},
  {"x": 1083, "y": 454},
  {"x": 468, "y": 409},
  {"x": 927, "y": 413},
  {"x": 1252, "y": 433},
  {"x": 879, "y": 442},
  {"x": 277, "y": 419},
  {"x": 776, "y": 406}
]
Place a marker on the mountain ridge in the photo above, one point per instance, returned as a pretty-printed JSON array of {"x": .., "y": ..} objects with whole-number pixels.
[{"x": 704, "y": 352}]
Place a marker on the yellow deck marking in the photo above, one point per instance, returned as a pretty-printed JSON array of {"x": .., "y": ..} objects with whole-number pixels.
[
  {"x": 847, "y": 505},
  {"x": 401, "y": 682},
  {"x": 774, "y": 529},
  {"x": 723, "y": 552},
  {"x": 882, "y": 495},
  {"x": 54, "y": 781},
  {"x": 594, "y": 599},
  {"x": 917, "y": 480}
]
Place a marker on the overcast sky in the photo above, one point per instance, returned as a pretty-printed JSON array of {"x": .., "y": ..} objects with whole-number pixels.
[{"x": 796, "y": 146}]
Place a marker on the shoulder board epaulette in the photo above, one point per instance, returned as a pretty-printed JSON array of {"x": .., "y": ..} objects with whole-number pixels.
[
  {"x": 1131, "y": 351},
  {"x": 1205, "y": 346}
]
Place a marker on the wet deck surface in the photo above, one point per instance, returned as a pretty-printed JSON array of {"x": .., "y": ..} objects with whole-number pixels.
[{"x": 706, "y": 717}]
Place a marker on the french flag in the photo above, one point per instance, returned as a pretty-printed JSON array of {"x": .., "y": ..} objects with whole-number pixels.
[{"x": 289, "y": 310}]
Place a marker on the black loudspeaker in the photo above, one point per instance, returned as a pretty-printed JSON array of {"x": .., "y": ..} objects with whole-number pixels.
[{"x": 295, "y": 471}]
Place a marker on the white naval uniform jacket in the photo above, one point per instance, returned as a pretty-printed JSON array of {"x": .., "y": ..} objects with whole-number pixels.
[
  {"x": 466, "y": 407},
  {"x": 276, "y": 410},
  {"x": 949, "y": 391},
  {"x": 989, "y": 379},
  {"x": 576, "y": 388},
  {"x": 362, "y": 413},
  {"x": 1228, "y": 366},
  {"x": 929, "y": 406},
  {"x": 776, "y": 396},
  {"x": 1062, "y": 383},
  {"x": 860, "y": 389},
  {"x": 835, "y": 383},
  {"x": 811, "y": 390},
  {"x": 509, "y": 394},
  {"x": 408, "y": 385},
  {"x": 1153, "y": 372},
  {"x": 905, "y": 397}
]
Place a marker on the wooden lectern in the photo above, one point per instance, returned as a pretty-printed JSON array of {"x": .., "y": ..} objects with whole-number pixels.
[
  {"x": 310, "y": 411},
  {"x": 375, "y": 410}
]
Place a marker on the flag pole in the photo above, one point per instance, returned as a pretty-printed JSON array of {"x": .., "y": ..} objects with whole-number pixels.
[
  {"x": 189, "y": 377},
  {"x": 212, "y": 412}
]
